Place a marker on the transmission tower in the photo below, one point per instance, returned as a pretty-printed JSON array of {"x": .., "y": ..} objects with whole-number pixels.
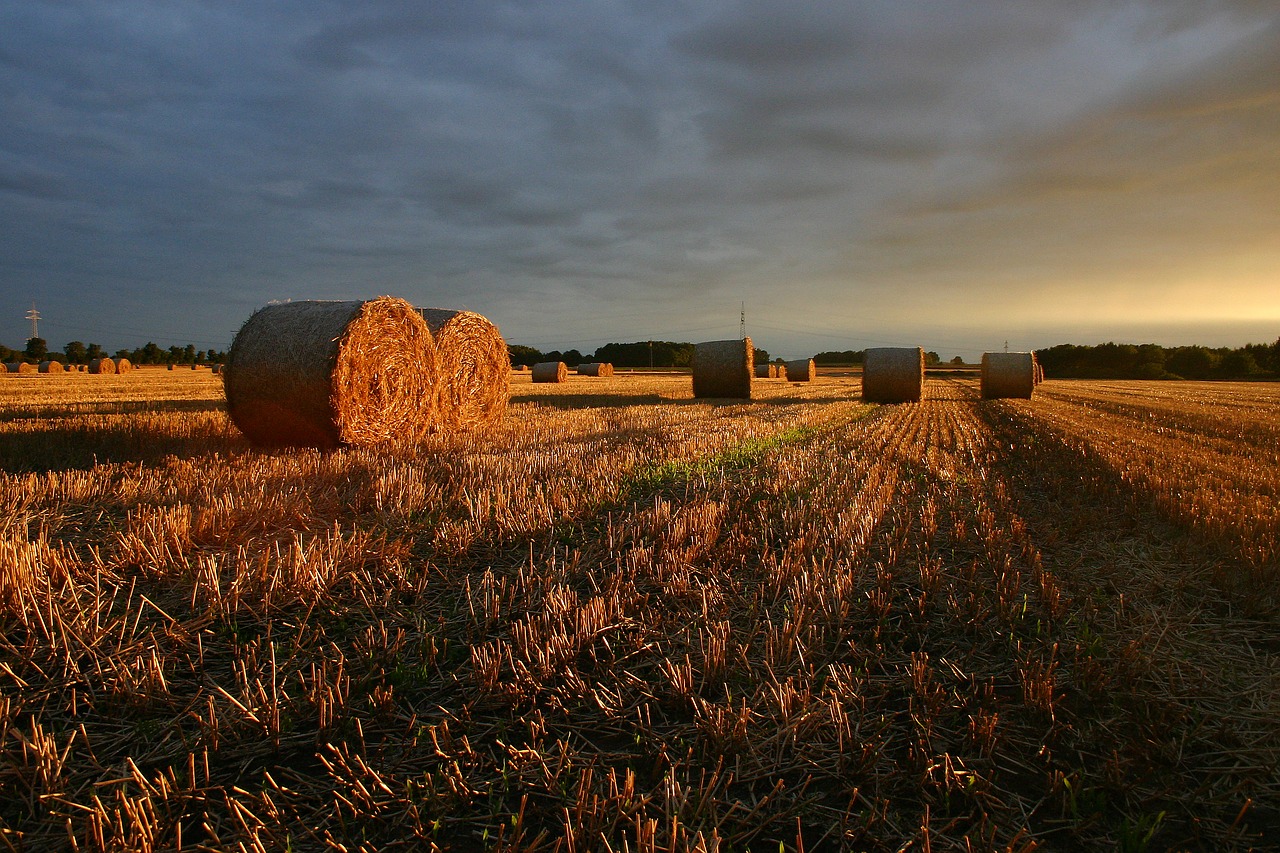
[
  {"x": 34, "y": 316},
  {"x": 742, "y": 318}
]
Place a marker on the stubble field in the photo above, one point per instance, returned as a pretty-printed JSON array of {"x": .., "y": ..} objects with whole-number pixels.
[{"x": 629, "y": 620}]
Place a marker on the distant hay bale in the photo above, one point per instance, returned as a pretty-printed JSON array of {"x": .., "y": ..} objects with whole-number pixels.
[
  {"x": 215, "y": 368},
  {"x": 723, "y": 368},
  {"x": 1039, "y": 372},
  {"x": 102, "y": 366},
  {"x": 51, "y": 367},
  {"x": 520, "y": 368},
  {"x": 170, "y": 367},
  {"x": 766, "y": 371},
  {"x": 21, "y": 367},
  {"x": 471, "y": 365},
  {"x": 595, "y": 368},
  {"x": 123, "y": 365},
  {"x": 893, "y": 375},
  {"x": 801, "y": 370},
  {"x": 1008, "y": 375},
  {"x": 325, "y": 374},
  {"x": 550, "y": 371}
]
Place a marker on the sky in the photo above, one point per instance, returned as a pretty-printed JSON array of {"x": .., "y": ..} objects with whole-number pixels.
[{"x": 952, "y": 175}]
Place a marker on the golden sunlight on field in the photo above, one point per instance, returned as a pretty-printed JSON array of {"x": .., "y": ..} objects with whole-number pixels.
[{"x": 626, "y": 619}]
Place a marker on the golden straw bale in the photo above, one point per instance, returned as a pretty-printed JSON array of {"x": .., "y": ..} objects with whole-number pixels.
[
  {"x": 472, "y": 361},
  {"x": 51, "y": 366},
  {"x": 801, "y": 370},
  {"x": 1008, "y": 375},
  {"x": 102, "y": 365},
  {"x": 324, "y": 374},
  {"x": 766, "y": 371},
  {"x": 551, "y": 371},
  {"x": 520, "y": 368},
  {"x": 595, "y": 368},
  {"x": 893, "y": 375},
  {"x": 21, "y": 367},
  {"x": 723, "y": 368},
  {"x": 123, "y": 365}
]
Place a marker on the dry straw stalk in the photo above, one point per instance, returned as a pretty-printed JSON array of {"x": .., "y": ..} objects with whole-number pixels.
[
  {"x": 550, "y": 371},
  {"x": 801, "y": 370},
  {"x": 893, "y": 375},
  {"x": 1008, "y": 375},
  {"x": 472, "y": 362},
  {"x": 723, "y": 368},
  {"x": 324, "y": 374}
]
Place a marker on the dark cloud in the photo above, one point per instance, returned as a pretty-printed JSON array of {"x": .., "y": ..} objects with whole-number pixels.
[{"x": 608, "y": 170}]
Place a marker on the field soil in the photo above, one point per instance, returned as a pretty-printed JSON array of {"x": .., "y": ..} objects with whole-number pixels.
[{"x": 626, "y": 619}]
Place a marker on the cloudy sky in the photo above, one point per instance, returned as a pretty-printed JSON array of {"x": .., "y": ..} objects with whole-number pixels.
[{"x": 900, "y": 172}]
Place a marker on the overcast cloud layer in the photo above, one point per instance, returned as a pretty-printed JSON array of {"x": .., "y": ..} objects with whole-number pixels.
[{"x": 927, "y": 172}]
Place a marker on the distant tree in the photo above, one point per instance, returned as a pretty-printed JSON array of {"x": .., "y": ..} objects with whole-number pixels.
[
  {"x": 94, "y": 351},
  {"x": 1238, "y": 364},
  {"x": 1191, "y": 362},
  {"x": 761, "y": 356},
  {"x": 124, "y": 353},
  {"x": 151, "y": 353},
  {"x": 201, "y": 357},
  {"x": 76, "y": 353},
  {"x": 528, "y": 356},
  {"x": 645, "y": 353},
  {"x": 189, "y": 354},
  {"x": 572, "y": 357},
  {"x": 932, "y": 358},
  {"x": 957, "y": 360},
  {"x": 37, "y": 349},
  {"x": 840, "y": 357},
  {"x": 7, "y": 354},
  {"x": 174, "y": 355}
]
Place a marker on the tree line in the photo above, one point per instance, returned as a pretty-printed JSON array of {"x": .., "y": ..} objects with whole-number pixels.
[
  {"x": 78, "y": 352},
  {"x": 637, "y": 354},
  {"x": 1152, "y": 361}
]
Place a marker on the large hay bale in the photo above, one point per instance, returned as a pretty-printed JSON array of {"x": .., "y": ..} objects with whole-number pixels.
[
  {"x": 801, "y": 370},
  {"x": 324, "y": 374},
  {"x": 51, "y": 366},
  {"x": 550, "y": 371},
  {"x": 472, "y": 361},
  {"x": 1008, "y": 375},
  {"x": 102, "y": 365},
  {"x": 21, "y": 367},
  {"x": 723, "y": 368},
  {"x": 893, "y": 375},
  {"x": 123, "y": 365}
]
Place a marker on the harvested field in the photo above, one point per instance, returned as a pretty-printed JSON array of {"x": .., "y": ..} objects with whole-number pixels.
[{"x": 629, "y": 619}]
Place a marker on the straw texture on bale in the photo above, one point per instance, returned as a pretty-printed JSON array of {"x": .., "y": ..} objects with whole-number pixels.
[
  {"x": 893, "y": 375},
  {"x": 1008, "y": 375},
  {"x": 472, "y": 361},
  {"x": 324, "y": 374},
  {"x": 595, "y": 368},
  {"x": 102, "y": 365},
  {"x": 51, "y": 367},
  {"x": 21, "y": 367},
  {"x": 123, "y": 365},
  {"x": 550, "y": 371},
  {"x": 1039, "y": 373},
  {"x": 801, "y": 370},
  {"x": 723, "y": 368}
]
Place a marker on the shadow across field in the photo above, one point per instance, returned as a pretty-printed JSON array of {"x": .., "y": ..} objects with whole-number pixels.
[
  {"x": 72, "y": 447},
  {"x": 68, "y": 410}
]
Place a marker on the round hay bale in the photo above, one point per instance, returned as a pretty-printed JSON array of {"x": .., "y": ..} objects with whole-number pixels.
[
  {"x": 801, "y": 370},
  {"x": 102, "y": 366},
  {"x": 324, "y": 374},
  {"x": 51, "y": 366},
  {"x": 123, "y": 365},
  {"x": 893, "y": 375},
  {"x": 766, "y": 371},
  {"x": 1008, "y": 375},
  {"x": 21, "y": 367},
  {"x": 471, "y": 364},
  {"x": 550, "y": 371},
  {"x": 520, "y": 368},
  {"x": 595, "y": 368},
  {"x": 723, "y": 368}
]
